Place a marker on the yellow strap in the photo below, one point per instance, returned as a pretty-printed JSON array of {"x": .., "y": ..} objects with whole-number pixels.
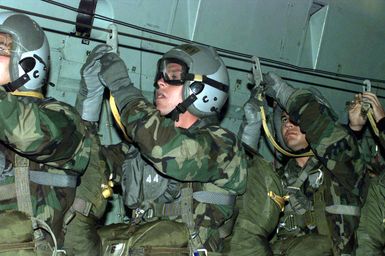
[
  {"x": 115, "y": 113},
  {"x": 198, "y": 78},
  {"x": 373, "y": 123},
  {"x": 34, "y": 94},
  {"x": 272, "y": 140}
]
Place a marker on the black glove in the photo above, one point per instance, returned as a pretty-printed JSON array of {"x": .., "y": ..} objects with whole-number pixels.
[
  {"x": 298, "y": 201},
  {"x": 250, "y": 130},
  {"x": 278, "y": 89},
  {"x": 115, "y": 77},
  {"x": 90, "y": 96}
]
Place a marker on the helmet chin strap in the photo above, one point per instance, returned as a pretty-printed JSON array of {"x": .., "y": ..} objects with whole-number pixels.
[
  {"x": 14, "y": 85},
  {"x": 181, "y": 108}
]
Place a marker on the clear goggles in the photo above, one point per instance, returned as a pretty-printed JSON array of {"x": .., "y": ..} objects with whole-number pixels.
[
  {"x": 5, "y": 44},
  {"x": 173, "y": 71}
]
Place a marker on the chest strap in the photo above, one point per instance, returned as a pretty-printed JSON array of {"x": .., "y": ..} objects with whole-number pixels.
[
  {"x": 343, "y": 209},
  {"x": 53, "y": 179},
  {"x": 176, "y": 208},
  {"x": 9, "y": 191}
]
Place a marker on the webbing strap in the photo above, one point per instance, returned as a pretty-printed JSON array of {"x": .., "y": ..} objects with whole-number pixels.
[
  {"x": 301, "y": 179},
  {"x": 186, "y": 207},
  {"x": 214, "y": 198},
  {"x": 156, "y": 250},
  {"x": 8, "y": 191},
  {"x": 319, "y": 214},
  {"x": 343, "y": 209},
  {"x": 5, "y": 247},
  {"x": 23, "y": 193},
  {"x": 175, "y": 208},
  {"x": 53, "y": 179},
  {"x": 82, "y": 206}
]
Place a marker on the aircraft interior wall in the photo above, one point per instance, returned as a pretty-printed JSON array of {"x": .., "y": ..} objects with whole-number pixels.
[{"x": 332, "y": 45}]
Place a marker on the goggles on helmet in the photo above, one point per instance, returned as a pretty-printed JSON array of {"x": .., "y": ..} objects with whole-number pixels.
[
  {"x": 5, "y": 44},
  {"x": 173, "y": 71}
]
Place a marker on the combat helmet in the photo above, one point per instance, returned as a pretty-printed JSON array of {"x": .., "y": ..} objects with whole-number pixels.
[
  {"x": 29, "y": 54},
  {"x": 204, "y": 79},
  {"x": 277, "y": 116}
]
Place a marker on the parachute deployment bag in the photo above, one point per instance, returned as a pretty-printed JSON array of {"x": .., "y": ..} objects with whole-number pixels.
[{"x": 154, "y": 238}]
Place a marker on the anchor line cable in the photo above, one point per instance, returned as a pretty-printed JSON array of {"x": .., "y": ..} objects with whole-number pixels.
[{"x": 228, "y": 53}]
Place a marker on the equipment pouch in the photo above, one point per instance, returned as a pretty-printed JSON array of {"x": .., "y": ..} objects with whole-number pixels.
[{"x": 155, "y": 238}]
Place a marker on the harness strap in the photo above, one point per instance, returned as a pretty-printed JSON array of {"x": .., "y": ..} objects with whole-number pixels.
[
  {"x": 343, "y": 209},
  {"x": 82, "y": 206},
  {"x": 214, "y": 198},
  {"x": 9, "y": 247},
  {"x": 79, "y": 205},
  {"x": 23, "y": 193},
  {"x": 53, "y": 179},
  {"x": 156, "y": 250},
  {"x": 9, "y": 191},
  {"x": 301, "y": 179},
  {"x": 175, "y": 208}
]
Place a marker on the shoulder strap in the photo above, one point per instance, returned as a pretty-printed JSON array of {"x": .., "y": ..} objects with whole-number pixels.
[{"x": 23, "y": 193}]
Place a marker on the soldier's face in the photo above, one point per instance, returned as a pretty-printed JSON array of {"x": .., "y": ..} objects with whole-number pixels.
[
  {"x": 291, "y": 134},
  {"x": 5, "y": 57},
  {"x": 167, "y": 96}
]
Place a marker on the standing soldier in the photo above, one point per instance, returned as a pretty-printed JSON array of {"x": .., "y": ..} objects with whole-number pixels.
[
  {"x": 322, "y": 209},
  {"x": 371, "y": 231},
  {"x": 181, "y": 138},
  {"x": 45, "y": 146}
]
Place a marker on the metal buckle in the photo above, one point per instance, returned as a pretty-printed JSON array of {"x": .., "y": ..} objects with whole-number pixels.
[
  {"x": 288, "y": 224},
  {"x": 198, "y": 252}
]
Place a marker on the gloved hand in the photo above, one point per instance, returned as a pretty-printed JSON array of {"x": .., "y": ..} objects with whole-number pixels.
[
  {"x": 115, "y": 77},
  {"x": 298, "y": 201},
  {"x": 90, "y": 96},
  {"x": 277, "y": 88},
  {"x": 250, "y": 129}
]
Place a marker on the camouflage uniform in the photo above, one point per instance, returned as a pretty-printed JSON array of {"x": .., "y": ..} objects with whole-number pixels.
[
  {"x": 371, "y": 231},
  {"x": 208, "y": 156},
  {"x": 328, "y": 181},
  {"x": 50, "y": 135}
]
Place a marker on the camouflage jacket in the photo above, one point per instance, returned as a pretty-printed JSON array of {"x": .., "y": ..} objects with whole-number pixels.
[
  {"x": 328, "y": 180},
  {"x": 372, "y": 149},
  {"x": 210, "y": 157},
  {"x": 51, "y": 135}
]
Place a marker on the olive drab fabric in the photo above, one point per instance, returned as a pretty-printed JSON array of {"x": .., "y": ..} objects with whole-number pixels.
[
  {"x": 50, "y": 134},
  {"x": 16, "y": 234},
  {"x": 205, "y": 154},
  {"x": 327, "y": 200},
  {"x": 156, "y": 238},
  {"x": 371, "y": 231},
  {"x": 258, "y": 212},
  {"x": 89, "y": 206}
]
